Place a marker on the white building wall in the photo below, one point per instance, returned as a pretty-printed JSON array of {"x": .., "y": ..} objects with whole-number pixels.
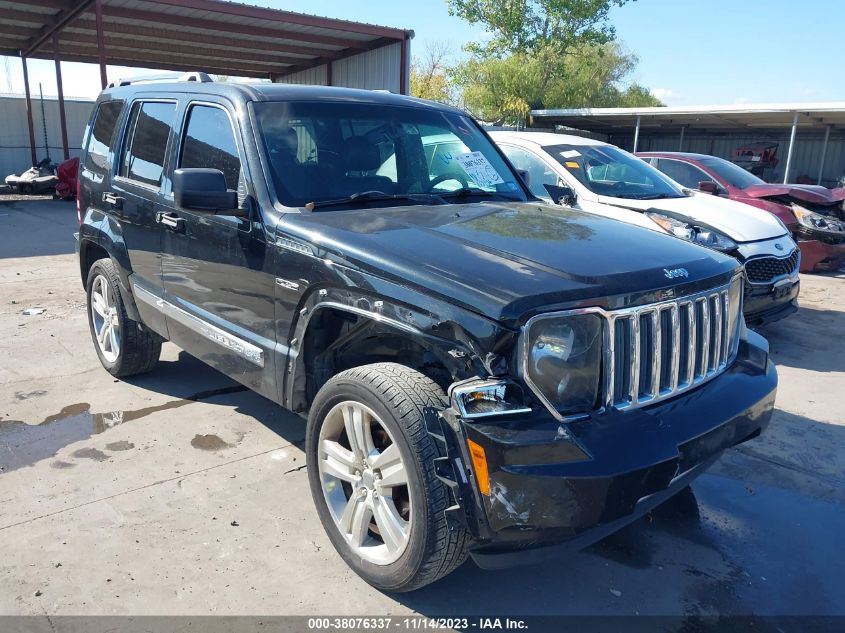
[
  {"x": 379, "y": 69},
  {"x": 14, "y": 132}
]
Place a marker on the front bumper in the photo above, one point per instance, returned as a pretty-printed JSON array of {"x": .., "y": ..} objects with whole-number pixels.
[
  {"x": 768, "y": 303},
  {"x": 817, "y": 256},
  {"x": 567, "y": 486}
]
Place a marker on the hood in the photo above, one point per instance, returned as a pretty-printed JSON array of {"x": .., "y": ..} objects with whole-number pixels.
[
  {"x": 503, "y": 260},
  {"x": 740, "y": 222},
  {"x": 782, "y": 211},
  {"x": 814, "y": 194}
]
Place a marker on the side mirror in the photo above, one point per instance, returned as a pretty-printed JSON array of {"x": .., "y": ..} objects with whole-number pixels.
[
  {"x": 561, "y": 194},
  {"x": 708, "y": 186},
  {"x": 202, "y": 189},
  {"x": 526, "y": 177}
]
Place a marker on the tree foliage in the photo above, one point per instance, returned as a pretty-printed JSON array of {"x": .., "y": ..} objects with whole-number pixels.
[
  {"x": 544, "y": 54},
  {"x": 523, "y": 26},
  {"x": 430, "y": 74}
]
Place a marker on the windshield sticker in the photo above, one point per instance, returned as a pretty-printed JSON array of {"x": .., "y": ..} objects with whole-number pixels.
[
  {"x": 511, "y": 186},
  {"x": 571, "y": 153},
  {"x": 477, "y": 167},
  {"x": 572, "y": 164}
]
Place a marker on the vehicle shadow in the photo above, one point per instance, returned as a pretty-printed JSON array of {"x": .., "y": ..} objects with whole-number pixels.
[
  {"x": 53, "y": 221},
  {"x": 812, "y": 339},
  {"x": 188, "y": 379}
]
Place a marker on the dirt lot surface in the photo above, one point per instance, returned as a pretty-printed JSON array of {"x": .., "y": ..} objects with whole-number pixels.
[{"x": 181, "y": 493}]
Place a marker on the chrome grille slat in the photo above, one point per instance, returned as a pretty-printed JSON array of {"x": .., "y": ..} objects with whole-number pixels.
[
  {"x": 645, "y": 366},
  {"x": 657, "y": 341},
  {"x": 717, "y": 330},
  {"x": 705, "y": 335},
  {"x": 691, "y": 343},
  {"x": 609, "y": 360},
  {"x": 676, "y": 349},
  {"x": 635, "y": 359}
]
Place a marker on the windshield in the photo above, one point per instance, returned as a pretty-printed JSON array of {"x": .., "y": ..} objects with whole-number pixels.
[
  {"x": 609, "y": 171},
  {"x": 326, "y": 153},
  {"x": 732, "y": 174}
]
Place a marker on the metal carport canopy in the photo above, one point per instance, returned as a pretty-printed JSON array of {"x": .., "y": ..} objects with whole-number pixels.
[
  {"x": 764, "y": 116},
  {"x": 202, "y": 35},
  {"x": 760, "y": 118},
  {"x": 208, "y": 35}
]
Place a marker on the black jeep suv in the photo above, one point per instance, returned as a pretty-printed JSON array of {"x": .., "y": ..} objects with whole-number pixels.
[{"x": 481, "y": 373}]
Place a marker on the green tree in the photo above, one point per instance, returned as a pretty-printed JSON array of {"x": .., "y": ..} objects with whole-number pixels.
[
  {"x": 544, "y": 54},
  {"x": 519, "y": 26}
]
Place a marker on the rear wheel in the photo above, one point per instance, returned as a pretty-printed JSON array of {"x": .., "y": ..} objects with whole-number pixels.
[
  {"x": 372, "y": 476},
  {"x": 125, "y": 347}
]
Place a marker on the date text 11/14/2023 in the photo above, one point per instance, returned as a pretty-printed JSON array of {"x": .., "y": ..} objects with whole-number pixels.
[{"x": 415, "y": 623}]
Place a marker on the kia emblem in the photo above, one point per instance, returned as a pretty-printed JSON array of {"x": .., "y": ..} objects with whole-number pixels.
[{"x": 779, "y": 246}]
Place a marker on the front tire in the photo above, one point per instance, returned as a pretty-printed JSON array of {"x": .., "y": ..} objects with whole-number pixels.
[
  {"x": 371, "y": 472},
  {"x": 125, "y": 347}
]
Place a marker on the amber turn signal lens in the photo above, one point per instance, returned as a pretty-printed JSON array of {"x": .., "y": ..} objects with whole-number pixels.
[{"x": 479, "y": 463}]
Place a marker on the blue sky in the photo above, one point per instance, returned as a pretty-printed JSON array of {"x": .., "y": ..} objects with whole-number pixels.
[{"x": 691, "y": 52}]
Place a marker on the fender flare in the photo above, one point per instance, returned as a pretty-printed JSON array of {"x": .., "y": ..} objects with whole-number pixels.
[
  {"x": 461, "y": 356},
  {"x": 105, "y": 232}
]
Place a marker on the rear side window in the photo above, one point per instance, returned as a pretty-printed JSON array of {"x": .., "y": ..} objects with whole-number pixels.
[
  {"x": 210, "y": 143},
  {"x": 102, "y": 132},
  {"x": 146, "y": 141},
  {"x": 684, "y": 173}
]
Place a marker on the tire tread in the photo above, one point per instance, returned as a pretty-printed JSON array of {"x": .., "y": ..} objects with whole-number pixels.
[{"x": 410, "y": 393}]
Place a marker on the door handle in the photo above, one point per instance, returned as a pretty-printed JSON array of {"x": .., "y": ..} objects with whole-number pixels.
[
  {"x": 115, "y": 201},
  {"x": 171, "y": 221}
]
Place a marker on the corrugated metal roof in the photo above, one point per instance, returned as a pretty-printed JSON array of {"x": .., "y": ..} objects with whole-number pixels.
[
  {"x": 763, "y": 115},
  {"x": 210, "y": 35}
]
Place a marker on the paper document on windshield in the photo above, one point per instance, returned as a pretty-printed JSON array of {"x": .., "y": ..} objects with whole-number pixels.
[{"x": 477, "y": 167}]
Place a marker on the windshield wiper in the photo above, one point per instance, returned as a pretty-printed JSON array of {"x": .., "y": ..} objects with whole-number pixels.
[
  {"x": 368, "y": 196},
  {"x": 654, "y": 196},
  {"x": 474, "y": 191}
]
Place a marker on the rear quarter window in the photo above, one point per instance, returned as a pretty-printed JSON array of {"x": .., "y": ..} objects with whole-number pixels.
[
  {"x": 100, "y": 143},
  {"x": 148, "y": 134}
]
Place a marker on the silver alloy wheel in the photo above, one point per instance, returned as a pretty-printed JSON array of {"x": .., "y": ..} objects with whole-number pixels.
[
  {"x": 104, "y": 317},
  {"x": 365, "y": 483}
]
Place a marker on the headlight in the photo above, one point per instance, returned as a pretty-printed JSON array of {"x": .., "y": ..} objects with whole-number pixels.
[
  {"x": 562, "y": 360},
  {"x": 697, "y": 234},
  {"x": 817, "y": 221}
]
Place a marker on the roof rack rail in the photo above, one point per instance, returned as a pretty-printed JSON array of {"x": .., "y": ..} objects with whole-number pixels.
[{"x": 199, "y": 77}]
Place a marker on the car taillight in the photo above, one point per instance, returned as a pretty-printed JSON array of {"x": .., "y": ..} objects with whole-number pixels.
[{"x": 78, "y": 203}]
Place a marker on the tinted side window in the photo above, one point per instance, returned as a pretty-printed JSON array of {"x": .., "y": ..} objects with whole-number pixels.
[
  {"x": 209, "y": 142},
  {"x": 146, "y": 141},
  {"x": 97, "y": 155},
  {"x": 683, "y": 173}
]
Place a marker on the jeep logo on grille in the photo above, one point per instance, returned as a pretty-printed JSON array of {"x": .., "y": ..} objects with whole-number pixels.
[{"x": 675, "y": 273}]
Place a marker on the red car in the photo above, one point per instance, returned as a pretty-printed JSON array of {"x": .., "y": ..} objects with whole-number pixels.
[{"x": 814, "y": 215}]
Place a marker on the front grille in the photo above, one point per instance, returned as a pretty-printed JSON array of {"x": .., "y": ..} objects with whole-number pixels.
[
  {"x": 656, "y": 351},
  {"x": 762, "y": 270}
]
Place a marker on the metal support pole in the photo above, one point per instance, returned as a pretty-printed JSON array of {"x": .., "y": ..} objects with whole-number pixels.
[
  {"x": 824, "y": 155},
  {"x": 101, "y": 48},
  {"x": 62, "y": 118},
  {"x": 681, "y": 141},
  {"x": 329, "y": 78},
  {"x": 29, "y": 111},
  {"x": 791, "y": 147},
  {"x": 636, "y": 134},
  {"x": 403, "y": 66}
]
